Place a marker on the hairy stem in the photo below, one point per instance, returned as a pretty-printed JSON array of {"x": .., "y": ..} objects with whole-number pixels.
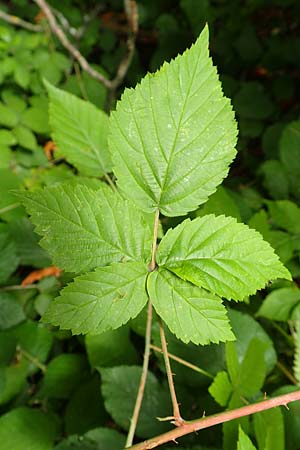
[
  {"x": 184, "y": 362},
  {"x": 206, "y": 422},
  {"x": 152, "y": 264},
  {"x": 139, "y": 398},
  {"x": 178, "y": 421}
]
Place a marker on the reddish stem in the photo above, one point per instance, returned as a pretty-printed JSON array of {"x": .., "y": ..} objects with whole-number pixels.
[{"x": 206, "y": 422}]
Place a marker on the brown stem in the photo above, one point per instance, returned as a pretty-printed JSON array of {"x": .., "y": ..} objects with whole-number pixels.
[
  {"x": 152, "y": 264},
  {"x": 132, "y": 18},
  {"x": 184, "y": 362},
  {"x": 143, "y": 379},
  {"x": 131, "y": 11},
  {"x": 177, "y": 419},
  {"x": 206, "y": 422},
  {"x": 56, "y": 29},
  {"x": 14, "y": 20}
]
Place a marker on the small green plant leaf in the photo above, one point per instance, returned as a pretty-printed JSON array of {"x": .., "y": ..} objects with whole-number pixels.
[
  {"x": 252, "y": 370},
  {"x": 85, "y": 409},
  {"x": 280, "y": 303},
  {"x": 119, "y": 389},
  {"x": 220, "y": 255},
  {"x": 191, "y": 313},
  {"x": 221, "y": 388},
  {"x": 64, "y": 374},
  {"x": 11, "y": 311},
  {"x": 244, "y": 442},
  {"x": 83, "y": 228},
  {"x": 101, "y": 300},
  {"x": 80, "y": 132},
  {"x": 289, "y": 154},
  {"x": 245, "y": 328},
  {"x": 27, "y": 428},
  {"x": 9, "y": 259},
  {"x": 232, "y": 361},
  {"x": 173, "y": 136},
  {"x": 286, "y": 215},
  {"x": 96, "y": 439},
  {"x": 112, "y": 348},
  {"x": 269, "y": 429}
]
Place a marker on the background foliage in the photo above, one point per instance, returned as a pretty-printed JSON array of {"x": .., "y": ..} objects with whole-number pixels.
[{"x": 79, "y": 391}]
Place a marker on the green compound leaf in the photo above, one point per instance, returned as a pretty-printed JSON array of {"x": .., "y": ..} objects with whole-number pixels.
[
  {"x": 80, "y": 131},
  {"x": 269, "y": 429},
  {"x": 221, "y": 388},
  {"x": 83, "y": 228},
  {"x": 101, "y": 300},
  {"x": 190, "y": 312},
  {"x": 244, "y": 442},
  {"x": 280, "y": 304},
  {"x": 173, "y": 136},
  {"x": 220, "y": 255}
]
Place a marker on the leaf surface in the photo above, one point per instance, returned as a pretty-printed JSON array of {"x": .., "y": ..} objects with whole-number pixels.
[
  {"x": 101, "y": 300},
  {"x": 27, "y": 428},
  {"x": 191, "y": 313},
  {"x": 119, "y": 389},
  {"x": 83, "y": 228},
  {"x": 173, "y": 137},
  {"x": 221, "y": 388},
  {"x": 244, "y": 442},
  {"x": 220, "y": 255},
  {"x": 280, "y": 303},
  {"x": 80, "y": 132}
]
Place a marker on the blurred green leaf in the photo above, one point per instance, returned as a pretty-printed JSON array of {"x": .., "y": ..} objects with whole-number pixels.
[
  {"x": 64, "y": 373},
  {"x": 119, "y": 389},
  {"x": 11, "y": 312},
  {"x": 30, "y": 429},
  {"x": 111, "y": 348}
]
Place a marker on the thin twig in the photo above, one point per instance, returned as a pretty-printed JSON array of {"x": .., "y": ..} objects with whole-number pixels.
[
  {"x": 176, "y": 419},
  {"x": 32, "y": 359},
  {"x": 184, "y": 362},
  {"x": 65, "y": 23},
  {"x": 9, "y": 208},
  {"x": 139, "y": 398},
  {"x": 287, "y": 373},
  {"x": 288, "y": 338},
  {"x": 207, "y": 422},
  {"x": 19, "y": 287},
  {"x": 17, "y": 21},
  {"x": 43, "y": 5},
  {"x": 152, "y": 264},
  {"x": 132, "y": 18}
]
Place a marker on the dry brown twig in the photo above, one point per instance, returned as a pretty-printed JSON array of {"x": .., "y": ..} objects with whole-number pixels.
[
  {"x": 111, "y": 85},
  {"x": 14, "y": 20},
  {"x": 210, "y": 421}
]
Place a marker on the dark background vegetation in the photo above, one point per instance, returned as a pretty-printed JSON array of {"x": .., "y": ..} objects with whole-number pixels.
[{"x": 49, "y": 382}]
